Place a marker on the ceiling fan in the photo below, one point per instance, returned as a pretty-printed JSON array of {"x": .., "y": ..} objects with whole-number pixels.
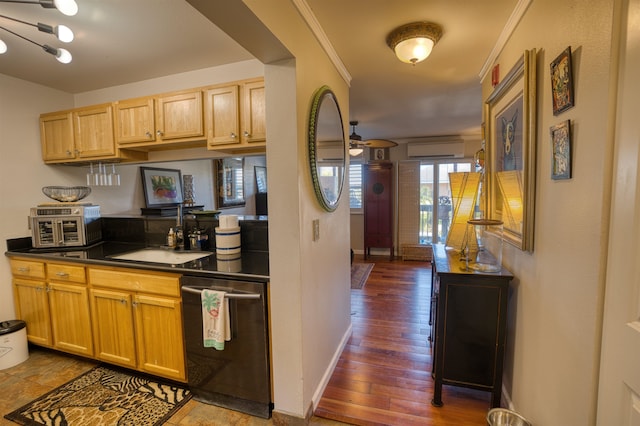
[{"x": 356, "y": 144}]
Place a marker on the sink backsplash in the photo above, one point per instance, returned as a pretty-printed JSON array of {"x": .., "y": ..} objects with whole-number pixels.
[{"x": 254, "y": 234}]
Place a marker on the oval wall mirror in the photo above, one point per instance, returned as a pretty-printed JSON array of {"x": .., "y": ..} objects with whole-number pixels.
[{"x": 326, "y": 148}]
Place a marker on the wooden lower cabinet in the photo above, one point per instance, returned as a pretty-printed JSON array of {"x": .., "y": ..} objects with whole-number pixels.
[
  {"x": 70, "y": 318},
  {"x": 138, "y": 329},
  {"x": 125, "y": 317},
  {"x": 32, "y": 306},
  {"x": 113, "y": 327},
  {"x": 159, "y": 336}
]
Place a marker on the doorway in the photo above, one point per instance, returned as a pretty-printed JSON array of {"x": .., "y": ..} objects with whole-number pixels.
[{"x": 435, "y": 198}]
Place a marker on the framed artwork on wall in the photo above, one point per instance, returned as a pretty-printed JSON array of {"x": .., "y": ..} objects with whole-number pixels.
[
  {"x": 161, "y": 187},
  {"x": 510, "y": 163},
  {"x": 561, "y": 150},
  {"x": 562, "y": 82}
]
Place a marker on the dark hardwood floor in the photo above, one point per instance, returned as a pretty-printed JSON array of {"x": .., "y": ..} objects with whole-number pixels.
[{"x": 383, "y": 376}]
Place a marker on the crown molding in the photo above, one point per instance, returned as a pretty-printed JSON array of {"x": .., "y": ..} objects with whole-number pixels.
[
  {"x": 311, "y": 20},
  {"x": 508, "y": 29}
]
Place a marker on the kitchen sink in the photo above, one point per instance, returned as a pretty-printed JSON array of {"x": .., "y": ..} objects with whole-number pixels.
[{"x": 171, "y": 257}]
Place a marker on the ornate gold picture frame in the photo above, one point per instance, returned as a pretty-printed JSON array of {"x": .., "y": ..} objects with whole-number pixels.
[{"x": 510, "y": 119}]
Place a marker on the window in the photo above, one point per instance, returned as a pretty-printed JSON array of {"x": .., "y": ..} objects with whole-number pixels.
[{"x": 355, "y": 184}]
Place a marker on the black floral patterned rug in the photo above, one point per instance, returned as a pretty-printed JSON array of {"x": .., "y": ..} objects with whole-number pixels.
[{"x": 104, "y": 397}]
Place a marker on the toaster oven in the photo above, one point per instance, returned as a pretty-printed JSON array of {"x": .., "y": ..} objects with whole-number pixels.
[{"x": 65, "y": 225}]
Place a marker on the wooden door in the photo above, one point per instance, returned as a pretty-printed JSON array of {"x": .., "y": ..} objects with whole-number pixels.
[
  {"x": 113, "y": 327},
  {"x": 254, "y": 127},
  {"x": 56, "y": 136},
  {"x": 93, "y": 131},
  {"x": 135, "y": 121},
  {"x": 619, "y": 384},
  {"x": 70, "y": 318},
  {"x": 179, "y": 116},
  {"x": 159, "y": 336},
  {"x": 223, "y": 116},
  {"x": 378, "y": 206},
  {"x": 32, "y": 306}
]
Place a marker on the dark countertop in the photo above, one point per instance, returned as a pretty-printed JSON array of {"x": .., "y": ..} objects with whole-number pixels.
[{"x": 252, "y": 265}]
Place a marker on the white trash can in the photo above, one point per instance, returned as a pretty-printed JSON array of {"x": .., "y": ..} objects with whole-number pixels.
[{"x": 13, "y": 343}]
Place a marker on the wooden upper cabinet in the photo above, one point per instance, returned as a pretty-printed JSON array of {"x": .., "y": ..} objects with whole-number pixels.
[
  {"x": 159, "y": 120},
  {"x": 56, "y": 136},
  {"x": 254, "y": 127},
  {"x": 222, "y": 115},
  {"x": 93, "y": 132},
  {"x": 82, "y": 134},
  {"x": 135, "y": 120},
  {"x": 235, "y": 116},
  {"x": 179, "y": 116}
]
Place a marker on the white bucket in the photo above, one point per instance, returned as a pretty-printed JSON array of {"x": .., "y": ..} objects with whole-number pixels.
[
  {"x": 13, "y": 343},
  {"x": 228, "y": 240}
]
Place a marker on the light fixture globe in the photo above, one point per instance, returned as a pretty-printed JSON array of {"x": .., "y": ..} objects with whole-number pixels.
[{"x": 412, "y": 43}]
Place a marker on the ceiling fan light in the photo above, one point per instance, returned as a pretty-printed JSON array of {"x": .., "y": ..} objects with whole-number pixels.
[
  {"x": 3, "y": 47},
  {"x": 354, "y": 152},
  {"x": 413, "y": 43}
]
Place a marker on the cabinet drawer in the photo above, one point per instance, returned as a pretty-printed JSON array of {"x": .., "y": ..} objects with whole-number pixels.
[
  {"x": 27, "y": 268},
  {"x": 64, "y": 273},
  {"x": 165, "y": 284}
]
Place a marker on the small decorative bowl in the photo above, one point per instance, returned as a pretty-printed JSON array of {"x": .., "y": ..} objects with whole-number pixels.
[{"x": 66, "y": 193}]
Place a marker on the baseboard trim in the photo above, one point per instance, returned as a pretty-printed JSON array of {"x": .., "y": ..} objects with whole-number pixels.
[{"x": 329, "y": 371}]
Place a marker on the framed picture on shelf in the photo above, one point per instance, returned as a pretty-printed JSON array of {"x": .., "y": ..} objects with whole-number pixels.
[
  {"x": 161, "y": 187},
  {"x": 510, "y": 131},
  {"x": 562, "y": 82},
  {"x": 561, "y": 150}
]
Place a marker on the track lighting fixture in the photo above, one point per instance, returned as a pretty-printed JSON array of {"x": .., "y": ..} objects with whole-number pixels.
[{"x": 62, "y": 32}]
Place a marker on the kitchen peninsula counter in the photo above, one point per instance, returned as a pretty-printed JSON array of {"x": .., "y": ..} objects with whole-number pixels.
[{"x": 254, "y": 264}]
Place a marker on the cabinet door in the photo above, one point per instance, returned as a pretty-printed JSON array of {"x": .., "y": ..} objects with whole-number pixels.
[
  {"x": 70, "y": 318},
  {"x": 179, "y": 116},
  {"x": 222, "y": 116},
  {"x": 159, "y": 336},
  {"x": 56, "y": 136},
  {"x": 378, "y": 205},
  {"x": 32, "y": 306},
  {"x": 94, "y": 131},
  {"x": 135, "y": 121},
  {"x": 113, "y": 327},
  {"x": 254, "y": 127}
]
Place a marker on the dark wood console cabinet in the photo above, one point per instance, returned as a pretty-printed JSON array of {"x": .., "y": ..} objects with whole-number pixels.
[
  {"x": 470, "y": 325},
  {"x": 378, "y": 206}
]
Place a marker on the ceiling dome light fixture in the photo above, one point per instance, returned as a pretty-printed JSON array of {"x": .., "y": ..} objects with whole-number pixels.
[{"x": 412, "y": 43}]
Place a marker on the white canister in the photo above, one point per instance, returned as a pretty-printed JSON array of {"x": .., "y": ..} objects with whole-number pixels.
[
  {"x": 228, "y": 240},
  {"x": 13, "y": 343},
  {"x": 229, "y": 262}
]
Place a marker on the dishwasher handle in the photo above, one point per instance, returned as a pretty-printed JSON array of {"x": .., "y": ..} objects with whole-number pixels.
[{"x": 198, "y": 290}]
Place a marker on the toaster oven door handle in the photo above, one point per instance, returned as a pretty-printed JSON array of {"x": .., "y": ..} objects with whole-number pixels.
[{"x": 59, "y": 225}]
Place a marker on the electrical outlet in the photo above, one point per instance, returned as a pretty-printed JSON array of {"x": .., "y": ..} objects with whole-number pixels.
[{"x": 316, "y": 229}]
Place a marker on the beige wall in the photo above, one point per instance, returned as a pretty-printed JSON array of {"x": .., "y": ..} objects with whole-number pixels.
[
  {"x": 310, "y": 279},
  {"x": 552, "y": 358}
]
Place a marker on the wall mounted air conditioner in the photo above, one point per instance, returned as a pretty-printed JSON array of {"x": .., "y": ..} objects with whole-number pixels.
[{"x": 449, "y": 148}]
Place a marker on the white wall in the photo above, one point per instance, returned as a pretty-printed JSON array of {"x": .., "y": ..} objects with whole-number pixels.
[
  {"x": 22, "y": 173},
  {"x": 551, "y": 367}
]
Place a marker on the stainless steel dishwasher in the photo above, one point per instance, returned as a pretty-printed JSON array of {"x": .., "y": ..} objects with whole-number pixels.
[{"x": 238, "y": 377}]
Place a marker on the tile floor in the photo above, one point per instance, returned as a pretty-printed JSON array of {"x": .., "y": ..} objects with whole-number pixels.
[{"x": 46, "y": 370}]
